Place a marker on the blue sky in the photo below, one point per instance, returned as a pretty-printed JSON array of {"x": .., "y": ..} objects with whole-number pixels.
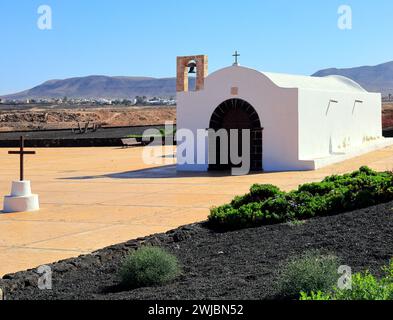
[{"x": 143, "y": 38}]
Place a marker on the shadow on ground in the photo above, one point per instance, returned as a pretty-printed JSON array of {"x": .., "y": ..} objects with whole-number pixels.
[{"x": 161, "y": 172}]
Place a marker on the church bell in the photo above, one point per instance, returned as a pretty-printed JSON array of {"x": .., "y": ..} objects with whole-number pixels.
[{"x": 191, "y": 67}]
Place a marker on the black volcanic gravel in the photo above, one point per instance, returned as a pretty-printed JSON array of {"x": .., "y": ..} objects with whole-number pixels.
[{"x": 236, "y": 265}]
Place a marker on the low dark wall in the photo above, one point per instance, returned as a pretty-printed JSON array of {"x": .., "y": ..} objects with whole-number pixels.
[
  {"x": 63, "y": 143},
  {"x": 388, "y": 133},
  {"x": 66, "y": 138},
  {"x": 102, "y": 133},
  {"x": 69, "y": 143}
]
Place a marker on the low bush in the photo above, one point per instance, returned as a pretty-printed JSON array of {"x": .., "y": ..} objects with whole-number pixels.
[
  {"x": 365, "y": 286},
  {"x": 267, "y": 204},
  {"x": 318, "y": 188},
  {"x": 148, "y": 266},
  {"x": 258, "y": 193},
  {"x": 311, "y": 272}
]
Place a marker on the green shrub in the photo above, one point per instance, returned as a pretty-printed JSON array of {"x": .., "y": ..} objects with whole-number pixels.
[
  {"x": 228, "y": 216},
  {"x": 310, "y": 272},
  {"x": 335, "y": 194},
  {"x": 315, "y": 296},
  {"x": 258, "y": 193},
  {"x": 366, "y": 170},
  {"x": 336, "y": 200},
  {"x": 271, "y": 211},
  {"x": 364, "y": 287},
  {"x": 261, "y": 192},
  {"x": 307, "y": 206},
  {"x": 148, "y": 266},
  {"x": 319, "y": 188},
  {"x": 277, "y": 207},
  {"x": 239, "y": 201}
]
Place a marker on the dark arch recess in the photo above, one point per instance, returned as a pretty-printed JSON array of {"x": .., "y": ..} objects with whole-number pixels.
[
  {"x": 238, "y": 114},
  {"x": 217, "y": 121}
]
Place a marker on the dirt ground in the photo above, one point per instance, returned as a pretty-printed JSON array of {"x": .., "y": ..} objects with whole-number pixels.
[
  {"x": 42, "y": 118},
  {"x": 236, "y": 265},
  {"x": 46, "y": 118}
]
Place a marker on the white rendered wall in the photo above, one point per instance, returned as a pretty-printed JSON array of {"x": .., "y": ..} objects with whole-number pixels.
[
  {"x": 342, "y": 127},
  {"x": 276, "y": 107}
]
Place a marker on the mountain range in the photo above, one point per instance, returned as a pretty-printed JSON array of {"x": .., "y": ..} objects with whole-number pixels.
[
  {"x": 101, "y": 87},
  {"x": 373, "y": 78}
]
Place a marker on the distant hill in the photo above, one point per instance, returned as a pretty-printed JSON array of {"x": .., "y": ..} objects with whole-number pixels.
[
  {"x": 101, "y": 87},
  {"x": 372, "y": 78}
]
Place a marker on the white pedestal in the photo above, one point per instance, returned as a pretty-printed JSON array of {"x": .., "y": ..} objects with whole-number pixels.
[{"x": 21, "y": 198}]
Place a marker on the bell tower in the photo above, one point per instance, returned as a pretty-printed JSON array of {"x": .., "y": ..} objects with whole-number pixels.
[{"x": 186, "y": 65}]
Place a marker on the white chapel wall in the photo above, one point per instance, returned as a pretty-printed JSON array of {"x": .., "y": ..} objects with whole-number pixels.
[
  {"x": 339, "y": 128},
  {"x": 276, "y": 107}
]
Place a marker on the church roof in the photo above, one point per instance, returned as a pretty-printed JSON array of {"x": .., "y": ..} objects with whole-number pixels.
[{"x": 330, "y": 83}]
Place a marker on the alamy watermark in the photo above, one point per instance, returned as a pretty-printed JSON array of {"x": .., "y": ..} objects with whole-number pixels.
[
  {"x": 44, "y": 21},
  {"x": 345, "y": 17},
  {"x": 45, "y": 280},
  {"x": 345, "y": 281},
  {"x": 195, "y": 147}
]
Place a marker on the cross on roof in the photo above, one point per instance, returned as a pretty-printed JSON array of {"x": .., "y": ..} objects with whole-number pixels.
[
  {"x": 236, "y": 55},
  {"x": 21, "y": 153}
]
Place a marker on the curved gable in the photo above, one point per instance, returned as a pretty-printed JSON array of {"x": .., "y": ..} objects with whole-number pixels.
[
  {"x": 239, "y": 73},
  {"x": 329, "y": 83}
]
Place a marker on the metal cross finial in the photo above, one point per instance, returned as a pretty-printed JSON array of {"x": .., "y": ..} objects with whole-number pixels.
[
  {"x": 21, "y": 153},
  {"x": 236, "y": 55}
]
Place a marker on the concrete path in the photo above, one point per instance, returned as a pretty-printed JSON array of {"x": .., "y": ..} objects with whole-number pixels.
[{"x": 95, "y": 197}]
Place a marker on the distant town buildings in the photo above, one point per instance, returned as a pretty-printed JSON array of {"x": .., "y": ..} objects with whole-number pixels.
[
  {"x": 388, "y": 98},
  {"x": 136, "y": 101}
]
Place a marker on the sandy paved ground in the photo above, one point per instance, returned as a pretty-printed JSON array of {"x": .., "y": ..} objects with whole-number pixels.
[{"x": 95, "y": 197}]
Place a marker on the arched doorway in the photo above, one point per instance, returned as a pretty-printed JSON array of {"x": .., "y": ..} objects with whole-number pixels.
[{"x": 238, "y": 114}]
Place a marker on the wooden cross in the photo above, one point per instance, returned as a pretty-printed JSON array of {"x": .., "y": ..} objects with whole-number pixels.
[
  {"x": 236, "y": 55},
  {"x": 21, "y": 153}
]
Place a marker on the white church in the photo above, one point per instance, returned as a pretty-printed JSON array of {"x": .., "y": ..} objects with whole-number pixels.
[{"x": 296, "y": 122}]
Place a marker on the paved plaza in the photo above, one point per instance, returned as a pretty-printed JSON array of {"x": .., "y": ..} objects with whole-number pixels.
[{"x": 95, "y": 197}]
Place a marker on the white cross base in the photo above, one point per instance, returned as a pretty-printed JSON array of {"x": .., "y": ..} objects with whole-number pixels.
[{"x": 21, "y": 198}]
